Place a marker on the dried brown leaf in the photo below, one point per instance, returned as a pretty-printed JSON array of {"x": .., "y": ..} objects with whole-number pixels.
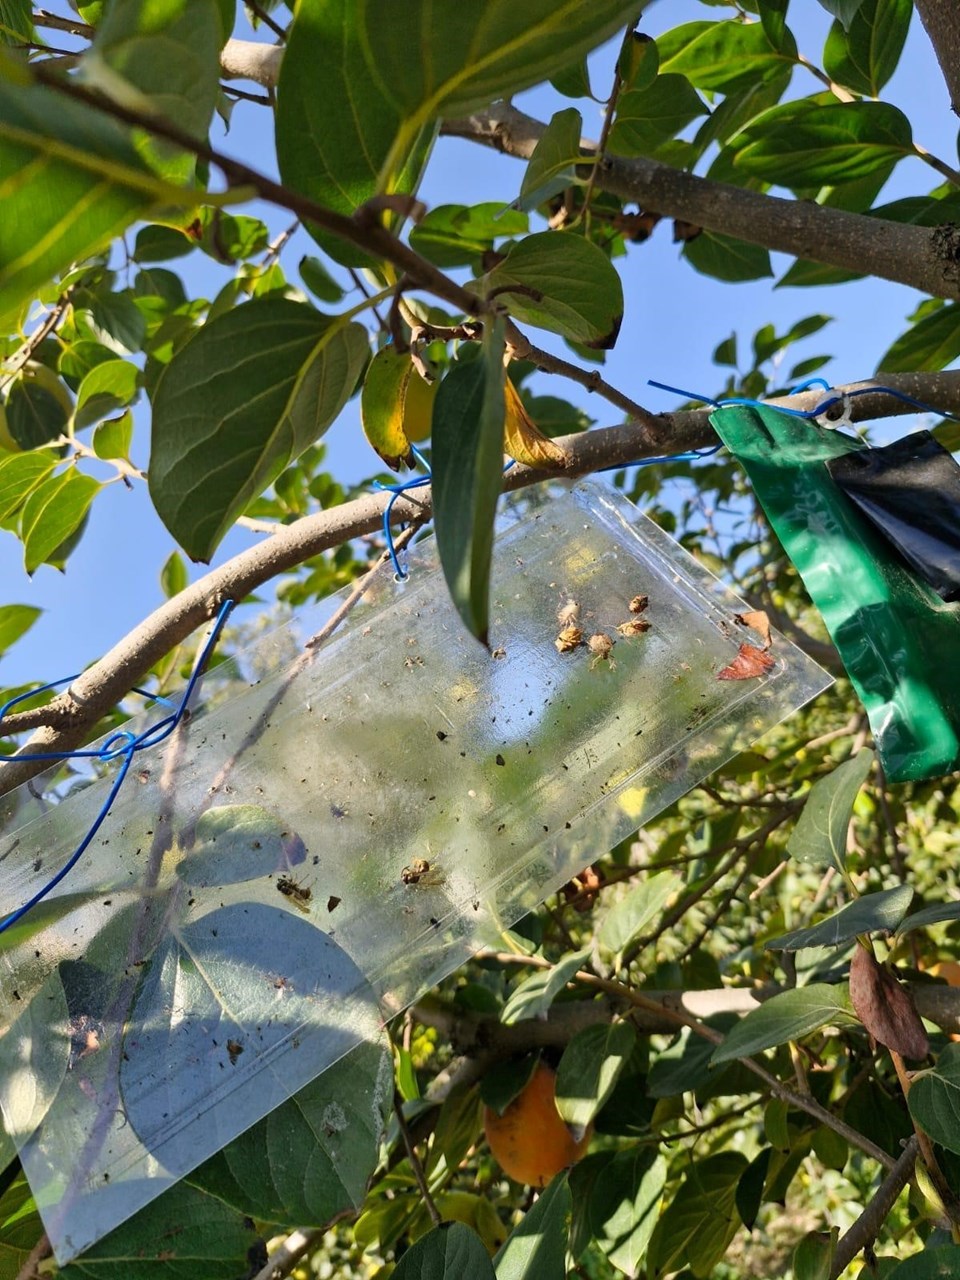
[
  {"x": 523, "y": 440},
  {"x": 749, "y": 663},
  {"x": 885, "y": 1007},
  {"x": 757, "y": 621}
]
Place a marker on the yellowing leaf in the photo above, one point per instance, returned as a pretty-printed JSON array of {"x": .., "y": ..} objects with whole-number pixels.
[
  {"x": 381, "y": 406},
  {"x": 396, "y": 407},
  {"x": 523, "y": 440}
]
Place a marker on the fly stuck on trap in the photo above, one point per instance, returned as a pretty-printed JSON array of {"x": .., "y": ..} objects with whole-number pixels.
[{"x": 340, "y": 827}]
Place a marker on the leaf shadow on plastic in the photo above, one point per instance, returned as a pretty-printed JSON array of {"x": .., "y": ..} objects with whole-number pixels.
[{"x": 212, "y": 1009}]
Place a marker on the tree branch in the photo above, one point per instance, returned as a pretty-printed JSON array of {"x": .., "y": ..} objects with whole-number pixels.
[
  {"x": 67, "y": 718},
  {"x": 921, "y": 257},
  {"x": 940, "y": 21},
  {"x": 870, "y": 1223}
]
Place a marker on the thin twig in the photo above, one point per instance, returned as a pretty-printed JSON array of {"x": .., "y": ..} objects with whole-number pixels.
[
  {"x": 679, "y": 1016},
  {"x": 47, "y": 326},
  {"x": 607, "y": 122},
  {"x": 43, "y": 18},
  {"x": 261, "y": 99},
  {"x": 266, "y": 19},
  {"x": 284, "y": 1259},
  {"x": 868, "y": 1226},
  {"x": 39, "y": 1253},
  {"x": 419, "y": 1176}
]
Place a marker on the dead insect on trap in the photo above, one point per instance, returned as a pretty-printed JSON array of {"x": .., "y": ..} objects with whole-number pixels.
[{"x": 311, "y": 852}]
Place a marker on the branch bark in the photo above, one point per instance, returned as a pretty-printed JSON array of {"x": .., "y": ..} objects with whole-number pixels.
[
  {"x": 870, "y": 1223},
  {"x": 942, "y": 25},
  {"x": 67, "y": 718},
  {"x": 924, "y": 258}
]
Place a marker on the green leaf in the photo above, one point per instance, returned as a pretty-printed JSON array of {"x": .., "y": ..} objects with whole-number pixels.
[
  {"x": 158, "y": 243},
  {"x": 534, "y": 996},
  {"x": 624, "y": 1205},
  {"x": 805, "y": 273},
  {"x": 184, "y": 1232},
  {"x": 16, "y": 26},
  {"x": 458, "y": 235},
  {"x": 941, "y": 1262},
  {"x": 726, "y": 56},
  {"x": 871, "y": 913},
  {"x": 938, "y": 913},
  {"x": 566, "y": 284},
  {"x": 701, "y": 1220},
  {"x": 70, "y": 181},
  {"x": 820, "y": 836},
  {"x": 467, "y": 462},
  {"x": 108, "y": 386},
  {"x": 319, "y": 280},
  {"x": 646, "y": 118},
  {"x": 552, "y": 167},
  {"x": 112, "y": 317},
  {"x": 589, "y": 1068},
  {"x": 173, "y": 575},
  {"x": 934, "y": 1099},
  {"x": 53, "y": 512},
  {"x": 246, "y": 395},
  {"x": 627, "y": 919},
  {"x": 449, "y": 1252},
  {"x": 15, "y": 621},
  {"x": 310, "y": 1159},
  {"x": 20, "y": 1227},
  {"x": 724, "y": 258},
  {"x": 162, "y": 58},
  {"x": 507, "y": 1080},
  {"x": 113, "y": 439},
  {"x": 843, "y": 10},
  {"x": 536, "y": 1248},
  {"x": 750, "y": 1188},
  {"x": 927, "y": 346},
  {"x": 20, "y": 474},
  {"x": 865, "y": 55},
  {"x": 818, "y": 140},
  {"x": 787, "y": 1016},
  {"x": 813, "y": 1256},
  {"x": 38, "y": 408},
  {"x": 229, "y": 237},
  {"x": 387, "y": 102},
  {"x": 573, "y": 81}
]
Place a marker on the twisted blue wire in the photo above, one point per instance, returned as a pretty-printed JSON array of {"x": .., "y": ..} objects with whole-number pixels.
[
  {"x": 111, "y": 750},
  {"x": 820, "y": 409}
]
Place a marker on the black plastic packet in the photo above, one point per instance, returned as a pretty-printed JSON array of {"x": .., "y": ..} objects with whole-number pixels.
[{"x": 910, "y": 491}]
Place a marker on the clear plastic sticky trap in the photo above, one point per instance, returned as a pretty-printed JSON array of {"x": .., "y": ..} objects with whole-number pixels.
[{"x": 338, "y": 827}]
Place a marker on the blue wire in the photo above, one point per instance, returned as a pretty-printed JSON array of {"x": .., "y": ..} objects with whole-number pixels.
[
  {"x": 819, "y": 409},
  {"x": 395, "y": 491},
  {"x": 111, "y": 750}
]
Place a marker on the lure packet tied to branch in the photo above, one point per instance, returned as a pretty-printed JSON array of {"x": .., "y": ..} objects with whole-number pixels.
[
  {"x": 336, "y": 828},
  {"x": 889, "y": 616}
]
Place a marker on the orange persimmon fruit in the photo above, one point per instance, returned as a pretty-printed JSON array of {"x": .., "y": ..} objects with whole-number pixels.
[
  {"x": 530, "y": 1141},
  {"x": 949, "y": 970}
]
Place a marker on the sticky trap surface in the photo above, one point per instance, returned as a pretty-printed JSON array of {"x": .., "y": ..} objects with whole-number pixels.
[{"x": 336, "y": 830}]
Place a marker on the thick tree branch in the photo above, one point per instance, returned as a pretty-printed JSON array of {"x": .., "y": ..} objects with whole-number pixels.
[
  {"x": 102, "y": 685},
  {"x": 942, "y": 25},
  {"x": 924, "y": 258}
]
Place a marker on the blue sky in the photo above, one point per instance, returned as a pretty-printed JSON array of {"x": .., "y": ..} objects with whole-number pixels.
[{"x": 674, "y": 319}]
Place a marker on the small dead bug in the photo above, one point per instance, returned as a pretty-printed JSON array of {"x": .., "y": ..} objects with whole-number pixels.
[
  {"x": 633, "y": 627},
  {"x": 420, "y": 871},
  {"x": 570, "y": 638},
  {"x": 601, "y": 646},
  {"x": 298, "y": 893},
  {"x": 568, "y": 613},
  {"x": 638, "y": 604}
]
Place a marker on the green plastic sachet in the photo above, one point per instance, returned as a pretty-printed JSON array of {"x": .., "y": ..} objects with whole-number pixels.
[{"x": 898, "y": 641}]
